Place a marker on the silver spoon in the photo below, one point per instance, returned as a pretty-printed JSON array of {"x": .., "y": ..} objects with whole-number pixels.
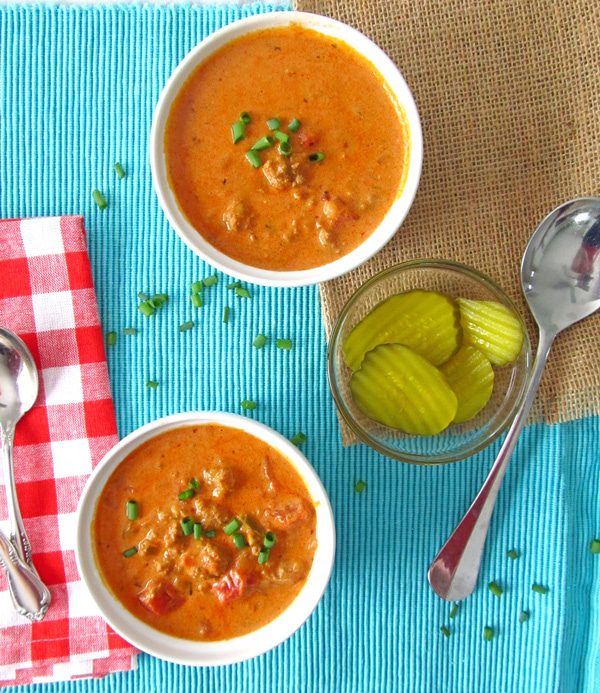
[
  {"x": 18, "y": 392},
  {"x": 560, "y": 277}
]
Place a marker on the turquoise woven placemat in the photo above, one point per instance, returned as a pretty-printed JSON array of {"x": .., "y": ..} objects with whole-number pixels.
[{"x": 77, "y": 89}]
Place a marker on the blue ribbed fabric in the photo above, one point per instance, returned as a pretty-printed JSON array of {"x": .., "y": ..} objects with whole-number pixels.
[{"x": 77, "y": 90}]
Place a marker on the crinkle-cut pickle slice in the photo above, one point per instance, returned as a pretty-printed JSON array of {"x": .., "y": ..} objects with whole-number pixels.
[
  {"x": 425, "y": 321},
  {"x": 471, "y": 376},
  {"x": 399, "y": 388},
  {"x": 493, "y": 328}
]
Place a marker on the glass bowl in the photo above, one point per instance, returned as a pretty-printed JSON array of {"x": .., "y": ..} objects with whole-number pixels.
[{"x": 458, "y": 440}]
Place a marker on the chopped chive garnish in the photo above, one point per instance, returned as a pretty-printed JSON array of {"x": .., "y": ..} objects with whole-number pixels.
[
  {"x": 238, "y": 131},
  {"x": 130, "y": 552},
  {"x": 130, "y": 330},
  {"x": 595, "y": 546},
  {"x": 269, "y": 540},
  {"x": 133, "y": 510},
  {"x": 245, "y": 117},
  {"x": 540, "y": 589},
  {"x": 513, "y": 554},
  {"x": 146, "y": 309},
  {"x": 248, "y": 404},
  {"x": 263, "y": 556},
  {"x": 152, "y": 384},
  {"x": 360, "y": 486},
  {"x": 210, "y": 281},
  {"x": 142, "y": 296},
  {"x": 298, "y": 438},
  {"x": 273, "y": 123},
  {"x": 285, "y": 344},
  {"x": 523, "y": 616},
  {"x": 233, "y": 285},
  {"x": 187, "y": 494},
  {"x": 194, "y": 483},
  {"x": 111, "y": 338},
  {"x": 495, "y": 589},
  {"x": 159, "y": 299},
  {"x": 316, "y": 156},
  {"x": 184, "y": 327},
  {"x": 226, "y": 311},
  {"x": 285, "y": 148},
  {"x": 259, "y": 341},
  {"x": 119, "y": 170},
  {"x": 488, "y": 633},
  {"x": 254, "y": 158},
  {"x": 196, "y": 301},
  {"x": 453, "y": 610},
  {"x": 262, "y": 144},
  {"x": 210, "y": 534},
  {"x": 197, "y": 530},
  {"x": 294, "y": 126},
  {"x": 242, "y": 292},
  {"x": 187, "y": 526},
  {"x": 445, "y": 631},
  {"x": 239, "y": 541},
  {"x": 281, "y": 136},
  {"x": 99, "y": 199},
  {"x": 232, "y": 526},
  {"x": 197, "y": 286}
]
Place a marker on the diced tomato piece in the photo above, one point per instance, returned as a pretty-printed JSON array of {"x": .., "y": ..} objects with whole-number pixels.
[
  {"x": 160, "y": 597},
  {"x": 287, "y": 514},
  {"x": 307, "y": 139},
  {"x": 229, "y": 587}
]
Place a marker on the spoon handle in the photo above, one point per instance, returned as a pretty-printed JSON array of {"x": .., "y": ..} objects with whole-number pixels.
[
  {"x": 30, "y": 596},
  {"x": 454, "y": 571}
]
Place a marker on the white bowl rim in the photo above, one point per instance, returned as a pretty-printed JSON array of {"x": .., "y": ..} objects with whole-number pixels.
[
  {"x": 394, "y": 216},
  {"x": 199, "y": 653}
]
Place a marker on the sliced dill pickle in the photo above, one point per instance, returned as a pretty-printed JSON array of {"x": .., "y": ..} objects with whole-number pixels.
[
  {"x": 470, "y": 374},
  {"x": 399, "y": 388},
  {"x": 493, "y": 328},
  {"x": 425, "y": 321}
]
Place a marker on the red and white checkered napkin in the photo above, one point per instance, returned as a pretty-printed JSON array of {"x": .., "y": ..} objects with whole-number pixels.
[{"x": 47, "y": 298}]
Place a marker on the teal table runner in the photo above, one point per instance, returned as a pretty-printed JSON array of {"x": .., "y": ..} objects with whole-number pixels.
[{"x": 77, "y": 91}]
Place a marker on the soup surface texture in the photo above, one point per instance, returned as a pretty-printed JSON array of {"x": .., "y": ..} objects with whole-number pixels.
[
  {"x": 286, "y": 212},
  {"x": 224, "y": 536}
]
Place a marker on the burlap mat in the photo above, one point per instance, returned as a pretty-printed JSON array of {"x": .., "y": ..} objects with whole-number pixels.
[{"x": 509, "y": 100}]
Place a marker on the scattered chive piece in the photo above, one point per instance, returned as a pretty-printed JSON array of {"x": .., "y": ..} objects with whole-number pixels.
[
  {"x": 153, "y": 384},
  {"x": 187, "y": 494},
  {"x": 513, "y": 554},
  {"x": 254, "y": 158},
  {"x": 99, "y": 199},
  {"x": 453, "y": 610},
  {"x": 130, "y": 330},
  {"x": 298, "y": 438},
  {"x": 130, "y": 552},
  {"x": 595, "y": 546},
  {"x": 445, "y": 631},
  {"x": 184, "y": 327},
  {"x": 523, "y": 616},
  {"x": 245, "y": 117},
  {"x": 263, "y": 556},
  {"x": 197, "y": 530},
  {"x": 232, "y": 526},
  {"x": 269, "y": 540},
  {"x": 119, "y": 170},
  {"x": 196, "y": 301},
  {"x": 281, "y": 136},
  {"x": 194, "y": 483},
  {"x": 142, "y": 296},
  {"x": 259, "y": 341},
  {"x": 488, "y": 633},
  {"x": 360, "y": 486},
  {"x": 111, "y": 338},
  {"x": 233, "y": 285},
  {"x": 187, "y": 526},
  {"x": 133, "y": 510},
  {"x": 285, "y": 344},
  {"x": 197, "y": 286},
  {"x": 316, "y": 156},
  {"x": 262, "y": 144},
  {"x": 146, "y": 309},
  {"x": 242, "y": 292},
  {"x": 540, "y": 589},
  {"x": 159, "y": 299},
  {"x": 226, "y": 311},
  {"x": 210, "y": 281},
  {"x": 239, "y": 541},
  {"x": 495, "y": 589},
  {"x": 210, "y": 534},
  {"x": 294, "y": 126},
  {"x": 248, "y": 404},
  {"x": 238, "y": 131},
  {"x": 273, "y": 123},
  {"x": 285, "y": 148}
]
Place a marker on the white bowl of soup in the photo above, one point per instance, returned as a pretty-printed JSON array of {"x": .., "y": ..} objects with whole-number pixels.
[
  {"x": 286, "y": 149},
  {"x": 205, "y": 538}
]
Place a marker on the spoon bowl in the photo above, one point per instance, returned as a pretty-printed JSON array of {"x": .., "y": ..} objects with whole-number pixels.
[{"x": 19, "y": 383}]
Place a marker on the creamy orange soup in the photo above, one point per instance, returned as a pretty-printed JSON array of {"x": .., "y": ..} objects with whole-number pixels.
[
  {"x": 347, "y": 159},
  {"x": 205, "y": 532}
]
